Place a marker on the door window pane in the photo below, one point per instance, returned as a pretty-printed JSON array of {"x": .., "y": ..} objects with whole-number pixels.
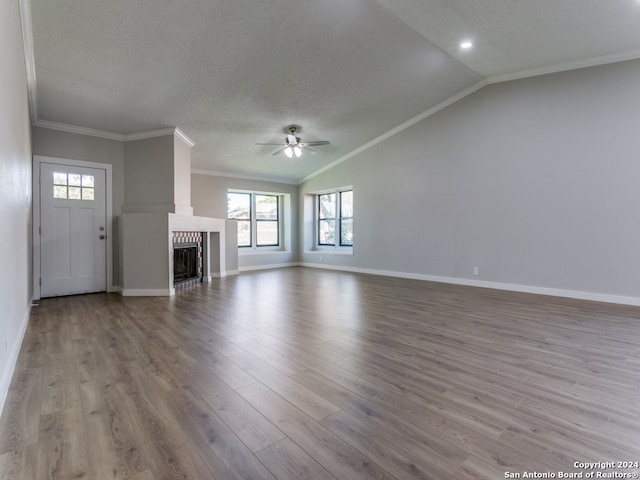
[
  {"x": 75, "y": 193},
  {"x": 59, "y": 191},
  {"x": 75, "y": 179},
  {"x": 59, "y": 178},
  {"x": 73, "y": 186},
  {"x": 87, "y": 194}
]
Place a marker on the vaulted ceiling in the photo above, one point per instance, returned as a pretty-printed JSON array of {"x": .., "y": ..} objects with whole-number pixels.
[{"x": 232, "y": 73}]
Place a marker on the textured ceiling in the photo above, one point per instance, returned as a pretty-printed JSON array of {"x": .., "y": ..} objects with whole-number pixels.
[{"x": 230, "y": 74}]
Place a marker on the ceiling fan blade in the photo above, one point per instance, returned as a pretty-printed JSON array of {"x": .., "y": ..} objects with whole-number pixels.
[
  {"x": 319, "y": 142},
  {"x": 282, "y": 144},
  {"x": 278, "y": 151},
  {"x": 306, "y": 147}
]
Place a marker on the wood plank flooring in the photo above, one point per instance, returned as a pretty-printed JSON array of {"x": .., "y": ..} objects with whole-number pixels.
[{"x": 312, "y": 374}]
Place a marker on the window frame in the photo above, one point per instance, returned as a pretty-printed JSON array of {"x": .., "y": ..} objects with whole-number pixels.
[
  {"x": 337, "y": 220},
  {"x": 342, "y": 217},
  {"x": 254, "y": 220},
  {"x": 250, "y": 219},
  {"x": 258, "y": 220}
]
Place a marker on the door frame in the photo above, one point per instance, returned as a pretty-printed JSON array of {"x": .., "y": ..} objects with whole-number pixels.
[{"x": 39, "y": 159}]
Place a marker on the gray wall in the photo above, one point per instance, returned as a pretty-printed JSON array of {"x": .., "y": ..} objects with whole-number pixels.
[
  {"x": 149, "y": 171},
  {"x": 15, "y": 193},
  {"x": 209, "y": 199},
  {"x": 534, "y": 181}
]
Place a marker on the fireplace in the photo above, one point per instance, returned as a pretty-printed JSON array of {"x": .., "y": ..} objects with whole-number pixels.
[{"x": 187, "y": 258}]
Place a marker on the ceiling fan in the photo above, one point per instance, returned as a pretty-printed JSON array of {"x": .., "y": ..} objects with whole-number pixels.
[{"x": 292, "y": 145}]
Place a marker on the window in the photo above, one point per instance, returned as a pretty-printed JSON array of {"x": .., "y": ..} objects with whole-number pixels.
[
  {"x": 239, "y": 208},
  {"x": 335, "y": 219},
  {"x": 258, "y": 217},
  {"x": 73, "y": 186},
  {"x": 267, "y": 232}
]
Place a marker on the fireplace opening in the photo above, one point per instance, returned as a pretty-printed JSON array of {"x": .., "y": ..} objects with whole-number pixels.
[
  {"x": 187, "y": 258},
  {"x": 185, "y": 262}
]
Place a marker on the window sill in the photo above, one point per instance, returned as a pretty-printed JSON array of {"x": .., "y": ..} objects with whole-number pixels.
[
  {"x": 331, "y": 251},
  {"x": 260, "y": 251}
]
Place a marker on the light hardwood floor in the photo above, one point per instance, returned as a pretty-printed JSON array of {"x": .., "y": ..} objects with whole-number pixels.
[{"x": 312, "y": 374}]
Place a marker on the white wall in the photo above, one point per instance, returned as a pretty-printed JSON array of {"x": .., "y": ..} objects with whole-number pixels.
[
  {"x": 15, "y": 194},
  {"x": 209, "y": 199},
  {"x": 534, "y": 181}
]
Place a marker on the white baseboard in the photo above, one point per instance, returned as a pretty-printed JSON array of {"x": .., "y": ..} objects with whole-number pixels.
[
  {"x": 13, "y": 359},
  {"x": 267, "y": 267},
  {"x": 148, "y": 292},
  {"x": 512, "y": 287}
]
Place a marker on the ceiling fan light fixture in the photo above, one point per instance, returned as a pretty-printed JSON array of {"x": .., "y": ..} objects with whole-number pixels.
[
  {"x": 297, "y": 151},
  {"x": 288, "y": 152}
]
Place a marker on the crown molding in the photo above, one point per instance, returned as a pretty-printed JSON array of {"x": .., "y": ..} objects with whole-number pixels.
[
  {"x": 159, "y": 133},
  {"x": 24, "y": 7},
  {"x": 563, "y": 67},
  {"x": 65, "y": 127},
  {"x": 211, "y": 173},
  {"x": 403, "y": 126},
  {"x": 182, "y": 136}
]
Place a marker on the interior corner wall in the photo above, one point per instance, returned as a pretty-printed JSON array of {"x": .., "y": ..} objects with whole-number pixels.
[
  {"x": 209, "y": 199},
  {"x": 15, "y": 194},
  {"x": 533, "y": 181},
  {"x": 74, "y": 146}
]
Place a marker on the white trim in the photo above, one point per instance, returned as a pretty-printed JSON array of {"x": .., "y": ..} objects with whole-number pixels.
[
  {"x": 7, "y": 375},
  {"x": 161, "y": 132},
  {"x": 182, "y": 136},
  {"x": 65, "y": 127},
  {"x": 148, "y": 292},
  {"x": 403, "y": 126},
  {"x": 214, "y": 275},
  {"x": 512, "y": 287},
  {"x": 29, "y": 57},
  {"x": 251, "y": 251},
  {"x": 232, "y": 272},
  {"x": 563, "y": 67},
  {"x": 329, "y": 250},
  {"x": 158, "y": 133},
  {"x": 39, "y": 159},
  {"x": 211, "y": 173},
  {"x": 267, "y": 267}
]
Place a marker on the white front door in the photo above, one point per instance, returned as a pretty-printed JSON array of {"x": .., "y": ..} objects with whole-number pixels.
[{"x": 73, "y": 230}]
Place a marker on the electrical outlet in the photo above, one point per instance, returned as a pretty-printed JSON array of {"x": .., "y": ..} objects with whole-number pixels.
[{"x": 476, "y": 271}]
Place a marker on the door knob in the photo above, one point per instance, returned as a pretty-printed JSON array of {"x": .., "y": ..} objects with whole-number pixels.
[
  {"x": 101, "y": 237},
  {"x": 102, "y": 229}
]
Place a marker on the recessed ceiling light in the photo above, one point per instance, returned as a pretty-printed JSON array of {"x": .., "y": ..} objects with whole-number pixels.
[{"x": 466, "y": 45}]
